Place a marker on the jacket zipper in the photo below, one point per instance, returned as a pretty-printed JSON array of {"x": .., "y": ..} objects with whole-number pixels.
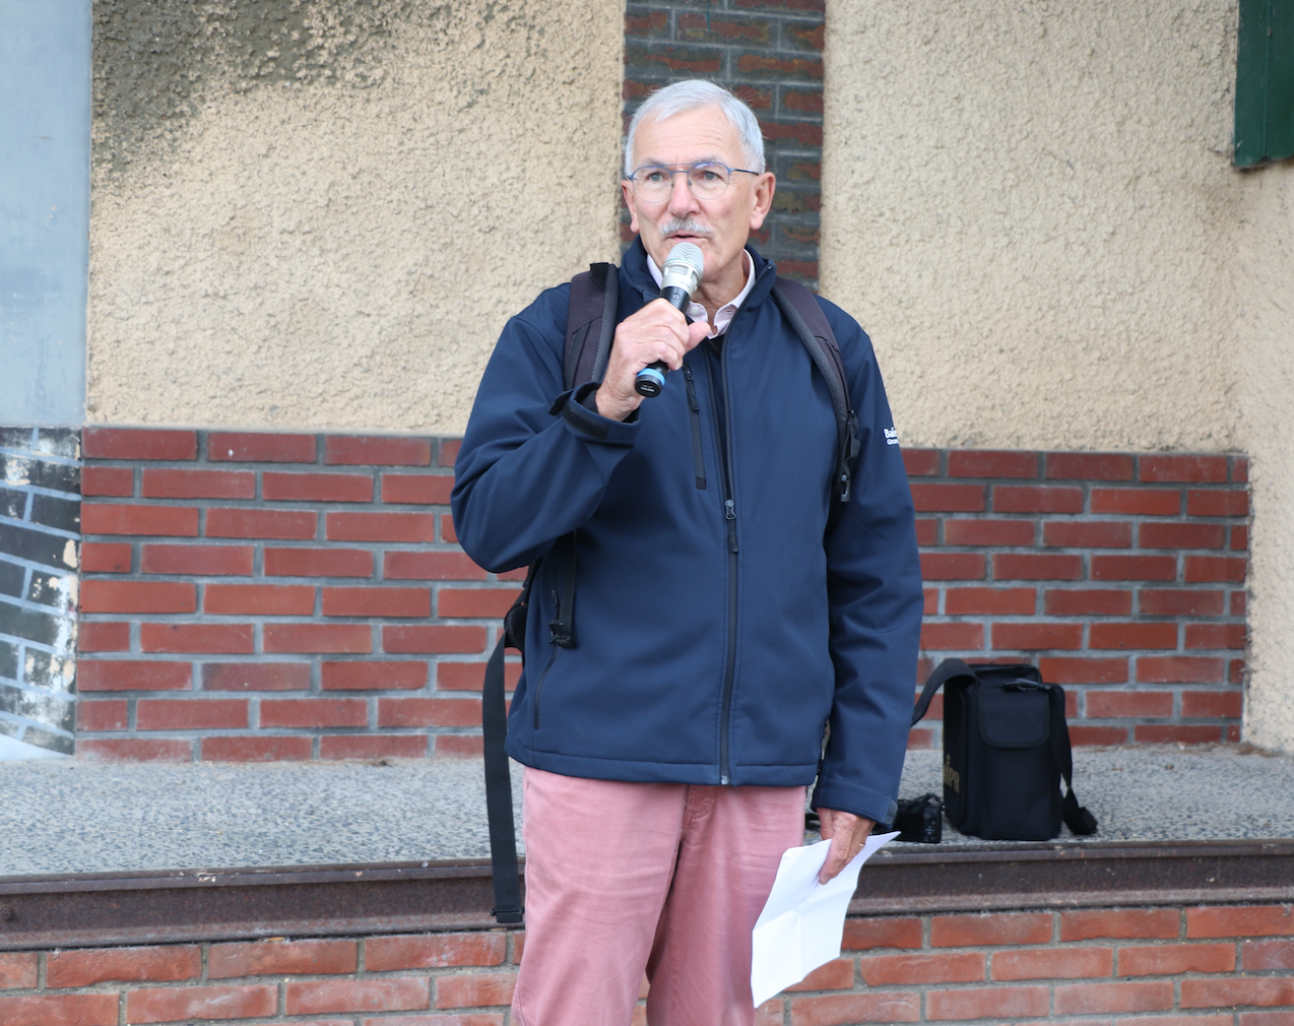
[
  {"x": 730, "y": 516},
  {"x": 552, "y": 658},
  {"x": 698, "y": 455}
]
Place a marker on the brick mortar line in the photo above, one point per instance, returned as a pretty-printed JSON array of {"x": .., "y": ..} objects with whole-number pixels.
[
  {"x": 35, "y": 525},
  {"x": 807, "y": 16},
  {"x": 233, "y": 465},
  {"x": 782, "y": 50}
]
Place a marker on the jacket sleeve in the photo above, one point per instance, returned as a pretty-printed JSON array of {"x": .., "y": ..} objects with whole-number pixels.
[
  {"x": 875, "y": 599},
  {"x": 534, "y": 462}
]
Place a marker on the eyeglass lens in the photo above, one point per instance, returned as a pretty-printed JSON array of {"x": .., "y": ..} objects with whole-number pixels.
[{"x": 706, "y": 180}]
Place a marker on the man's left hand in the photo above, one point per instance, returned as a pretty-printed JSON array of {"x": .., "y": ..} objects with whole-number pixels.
[{"x": 847, "y": 834}]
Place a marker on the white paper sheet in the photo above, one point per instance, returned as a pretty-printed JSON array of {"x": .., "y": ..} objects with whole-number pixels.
[{"x": 803, "y": 921}]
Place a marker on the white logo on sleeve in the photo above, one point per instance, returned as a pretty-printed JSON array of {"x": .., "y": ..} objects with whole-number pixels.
[{"x": 891, "y": 436}]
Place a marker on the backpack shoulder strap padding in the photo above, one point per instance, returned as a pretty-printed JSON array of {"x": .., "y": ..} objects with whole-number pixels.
[
  {"x": 801, "y": 309},
  {"x": 590, "y": 318}
]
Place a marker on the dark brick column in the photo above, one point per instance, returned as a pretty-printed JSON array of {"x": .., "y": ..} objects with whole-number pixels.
[
  {"x": 40, "y": 523},
  {"x": 768, "y": 52}
]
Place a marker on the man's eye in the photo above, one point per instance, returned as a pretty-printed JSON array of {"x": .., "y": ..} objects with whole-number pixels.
[{"x": 654, "y": 176}]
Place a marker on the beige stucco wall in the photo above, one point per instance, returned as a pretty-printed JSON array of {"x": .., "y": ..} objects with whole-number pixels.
[
  {"x": 1264, "y": 347},
  {"x": 1032, "y": 209},
  {"x": 319, "y": 213},
  {"x": 1024, "y": 204}
]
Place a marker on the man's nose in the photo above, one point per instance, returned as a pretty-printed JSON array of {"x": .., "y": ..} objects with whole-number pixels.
[{"x": 681, "y": 198}]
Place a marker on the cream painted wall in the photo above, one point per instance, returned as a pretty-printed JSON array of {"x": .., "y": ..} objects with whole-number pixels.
[
  {"x": 1025, "y": 204},
  {"x": 319, "y": 214},
  {"x": 1031, "y": 208},
  {"x": 1264, "y": 347}
]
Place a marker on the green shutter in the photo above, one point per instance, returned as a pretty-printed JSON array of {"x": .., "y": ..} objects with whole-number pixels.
[{"x": 1265, "y": 82}]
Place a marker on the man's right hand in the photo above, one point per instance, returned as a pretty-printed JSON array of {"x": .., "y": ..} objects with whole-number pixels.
[{"x": 656, "y": 332}]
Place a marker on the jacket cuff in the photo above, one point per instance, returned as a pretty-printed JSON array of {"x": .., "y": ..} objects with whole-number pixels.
[
  {"x": 861, "y": 801},
  {"x": 590, "y": 425}
]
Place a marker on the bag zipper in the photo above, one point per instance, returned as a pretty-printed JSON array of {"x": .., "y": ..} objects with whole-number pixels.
[{"x": 698, "y": 455}]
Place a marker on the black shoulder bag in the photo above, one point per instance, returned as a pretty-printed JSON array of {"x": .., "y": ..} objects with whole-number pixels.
[{"x": 1006, "y": 748}]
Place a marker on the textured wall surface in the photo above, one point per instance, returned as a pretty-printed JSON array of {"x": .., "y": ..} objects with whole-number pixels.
[
  {"x": 1264, "y": 270},
  {"x": 40, "y": 523},
  {"x": 264, "y": 596},
  {"x": 1030, "y": 965},
  {"x": 253, "y": 597},
  {"x": 1031, "y": 208},
  {"x": 1033, "y": 211},
  {"x": 1120, "y": 577},
  {"x": 313, "y": 213}
]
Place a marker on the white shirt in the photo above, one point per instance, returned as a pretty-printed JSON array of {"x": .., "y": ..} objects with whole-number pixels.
[{"x": 726, "y": 312}]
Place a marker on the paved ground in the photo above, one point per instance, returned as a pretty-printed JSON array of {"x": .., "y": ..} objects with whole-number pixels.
[{"x": 65, "y": 816}]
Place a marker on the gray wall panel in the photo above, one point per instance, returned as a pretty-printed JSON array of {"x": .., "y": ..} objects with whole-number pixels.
[{"x": 44, "y": 209}]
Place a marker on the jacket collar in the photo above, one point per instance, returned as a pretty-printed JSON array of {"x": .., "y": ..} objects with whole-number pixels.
[{"x": 638, "y": 276}]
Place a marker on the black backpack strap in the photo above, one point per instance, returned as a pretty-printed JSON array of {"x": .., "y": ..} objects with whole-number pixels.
[
  {"x": 943, "y": 673},
  {"x": 1078, "y": 819},
  {"x": 592, "y": 314},
  {"x": 591, "y": 317},
  {"x": 801, "y": 309},
  {"x": 498, "y": 780}
]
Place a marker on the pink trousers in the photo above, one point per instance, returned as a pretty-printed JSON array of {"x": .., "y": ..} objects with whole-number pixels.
[{"x": 667, "y": 878}]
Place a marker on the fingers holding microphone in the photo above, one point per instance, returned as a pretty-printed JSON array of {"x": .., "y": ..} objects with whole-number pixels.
[
  {"x": 658, "y": 333},
  {"x": 679, "y": 279},
  {"x": 655, "y": 339}
]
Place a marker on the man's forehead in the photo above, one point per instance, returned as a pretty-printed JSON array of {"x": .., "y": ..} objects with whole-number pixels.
[{"x": 705, "y": 133}]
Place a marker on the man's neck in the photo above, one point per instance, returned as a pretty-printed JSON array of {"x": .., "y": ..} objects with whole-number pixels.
[{"x": 715, "y": 295}]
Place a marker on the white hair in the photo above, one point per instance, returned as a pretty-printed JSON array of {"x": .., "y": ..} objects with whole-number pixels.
[{"x": 693, "y": 94}]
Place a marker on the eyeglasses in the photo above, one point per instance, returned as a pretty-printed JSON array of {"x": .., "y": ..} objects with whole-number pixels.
[{"x": 707, "y": 180}]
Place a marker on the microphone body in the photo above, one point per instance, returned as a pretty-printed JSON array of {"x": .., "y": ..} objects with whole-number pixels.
[{"x": 679, "y": 279}]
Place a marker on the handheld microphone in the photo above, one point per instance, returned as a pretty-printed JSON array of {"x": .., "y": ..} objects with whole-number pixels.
[{"x": 678, "y": 280}]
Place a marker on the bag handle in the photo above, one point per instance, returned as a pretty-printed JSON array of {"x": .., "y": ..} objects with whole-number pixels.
[
  {"x": 1077, "y": 818},
  {"x": 943, "y": 673}
]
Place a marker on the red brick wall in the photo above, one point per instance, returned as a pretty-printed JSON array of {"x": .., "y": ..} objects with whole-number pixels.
[
  {"x": 1221, "y": 966},
  {"x": 263, "y": 596},
  {"x": 274, "y": 596},
  {"x": 1121, "y": 576}
]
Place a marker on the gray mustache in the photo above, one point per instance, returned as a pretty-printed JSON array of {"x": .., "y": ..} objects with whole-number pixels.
[{"x": 689, "y": 227}]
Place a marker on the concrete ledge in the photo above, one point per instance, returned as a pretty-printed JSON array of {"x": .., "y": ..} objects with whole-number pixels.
[{"x": 319, "y": 901}]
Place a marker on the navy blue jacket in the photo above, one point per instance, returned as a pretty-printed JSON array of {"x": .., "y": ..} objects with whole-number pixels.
[{"x": 718, "y": 627}]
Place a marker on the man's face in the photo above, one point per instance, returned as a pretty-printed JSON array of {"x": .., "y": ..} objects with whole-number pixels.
[{"x": 720, "y": 226}]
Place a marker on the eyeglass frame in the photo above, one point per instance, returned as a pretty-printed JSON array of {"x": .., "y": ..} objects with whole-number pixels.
[{"x": 686, "y": 169}]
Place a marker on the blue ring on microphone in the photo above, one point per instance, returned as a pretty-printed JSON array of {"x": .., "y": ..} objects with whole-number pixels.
[{"x": 651, "y": 379}]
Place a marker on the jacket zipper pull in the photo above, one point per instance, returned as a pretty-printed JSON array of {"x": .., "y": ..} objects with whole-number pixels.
[
  {"x": 691, "y": 390},
  {"x": 731, "y": 517}
]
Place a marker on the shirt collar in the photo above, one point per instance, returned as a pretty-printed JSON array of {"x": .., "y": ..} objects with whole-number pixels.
[{"x": 724, "y": 315}]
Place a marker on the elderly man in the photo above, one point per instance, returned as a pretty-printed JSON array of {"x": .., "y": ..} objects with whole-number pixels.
[{"x": 728, "y": 620}]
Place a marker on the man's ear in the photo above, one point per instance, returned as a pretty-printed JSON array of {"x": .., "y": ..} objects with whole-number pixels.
[
  {"x": 765, "y": 186},
  {"x": 627, "y": 192}
]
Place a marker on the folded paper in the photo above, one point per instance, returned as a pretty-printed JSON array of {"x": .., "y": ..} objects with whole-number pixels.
[{"x": 803, "y": 921}]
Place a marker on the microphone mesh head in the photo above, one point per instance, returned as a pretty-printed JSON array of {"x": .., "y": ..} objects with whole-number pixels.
[{"x": 683, "y": 267}]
